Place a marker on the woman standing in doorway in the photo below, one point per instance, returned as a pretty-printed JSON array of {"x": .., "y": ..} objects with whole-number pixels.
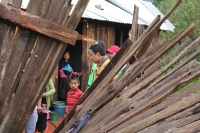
[{"x": 65, "y": 72}]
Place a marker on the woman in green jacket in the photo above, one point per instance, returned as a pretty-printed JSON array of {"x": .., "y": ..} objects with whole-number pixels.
[
  {"x": 50, "y": 89},
  {"x": 46, "y": 99}
]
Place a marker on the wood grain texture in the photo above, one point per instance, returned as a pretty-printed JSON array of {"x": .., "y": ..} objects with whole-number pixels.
[{"x": 37, "y": 24}]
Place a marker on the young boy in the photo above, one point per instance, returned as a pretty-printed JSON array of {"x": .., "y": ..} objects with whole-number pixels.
[
  {"x": 98, "y": 55},
  {"x": 74, "y": 94}
]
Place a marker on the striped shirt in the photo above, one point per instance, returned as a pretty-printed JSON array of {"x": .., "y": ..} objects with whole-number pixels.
[{"x": 72, "y": 98}]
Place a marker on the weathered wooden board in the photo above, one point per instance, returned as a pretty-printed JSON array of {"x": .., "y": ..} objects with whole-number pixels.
[
  {"x": 127, "y": 79},
  {"x": 43, "y": 61},
  {"x": 165, "y": 103},
  {"x": 72, "y": 24},
  {"x": 7, "y": 34},
  {"x": 37, "y": 24},
  {"x": 147, "y": 35},
  {"x": 180, "y": 119},
  {"x": 172, "y": 109}
]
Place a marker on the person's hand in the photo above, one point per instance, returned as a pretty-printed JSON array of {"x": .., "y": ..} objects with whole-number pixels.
[
  {"x": 98, "y": 72},
  {"x": 79, "y": 74},
  {"x": 67, "y": 111},
  {"x": 39, "y": 109}
]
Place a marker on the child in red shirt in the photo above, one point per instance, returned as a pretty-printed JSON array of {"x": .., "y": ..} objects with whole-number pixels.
[{"x": 74, "y": 94}]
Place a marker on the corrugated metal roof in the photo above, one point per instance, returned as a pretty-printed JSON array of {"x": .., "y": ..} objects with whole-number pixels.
[
  {"x": 108, "y": 14},
  {"x": 121, "y": 11}
]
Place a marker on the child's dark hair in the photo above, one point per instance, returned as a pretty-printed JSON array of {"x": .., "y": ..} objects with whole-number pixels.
[
  {"x": 66, "y": 52},
  {"x": 74, "y": 78},
  {"x": 98, "y": 48}
]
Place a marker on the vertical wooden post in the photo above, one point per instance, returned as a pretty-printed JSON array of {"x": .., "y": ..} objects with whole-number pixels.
[
  {"x": 121, "y": 38},
  {"x": 85, "y": 61}
]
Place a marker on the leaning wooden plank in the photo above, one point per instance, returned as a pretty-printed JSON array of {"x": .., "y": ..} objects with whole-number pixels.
[
  {"x": 37, "y": 24},
  {"x": 190, "y": 57},
  {"x": 104, "y": 84},
  {"x": 123, "y": 49},
  {"x": 72, "y": 23},
  {"x": 135, "y": 72},
  {"x": 161, "y": 93},
  {"x": 50, "y": 53},
  {"x": 175, "y": 124},
  {"x": 133, "y": 49},
  {"x": 20, "y": 53},
  {"x": 111, "y": 87},
  {"x": 114, "y": 125},
  {"x": 13, "y": 110},
  {"x": 161, "y": 62},
  {"x": 18, "y": 59},
  {"x": 109, "y": 95},
  {"x": 155, "y": 74},
  {"x": 181, "y": 80},
  {"x": 128, "y": 92},
  {"x": 187, "y": 116},
  {"x": 136, "y": 108},
  {"x": 31, "y": 96},
  {"x": 133, "y": 31},
  {"x": 149, "y": 60},
  {"x": 101, "y": 82},
  {"x": 190, "y": 128},
  {"x": 6, "y": 37},
  {"x": 172, "y": 109}
]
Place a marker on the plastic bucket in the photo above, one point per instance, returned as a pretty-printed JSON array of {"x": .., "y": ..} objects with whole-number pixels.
[
  {"x": 60, "y": 110},
  {"x": 58, "y": 103},
  {"x": 54, "y": 116}
]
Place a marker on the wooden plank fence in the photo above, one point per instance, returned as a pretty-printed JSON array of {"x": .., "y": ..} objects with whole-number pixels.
[
  {"x": 141, "y": 100},
  {"x": 45, "y": 53}
]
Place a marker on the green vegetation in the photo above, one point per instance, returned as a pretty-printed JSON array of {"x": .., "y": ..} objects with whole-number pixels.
[{"x": 185, "y": 15}]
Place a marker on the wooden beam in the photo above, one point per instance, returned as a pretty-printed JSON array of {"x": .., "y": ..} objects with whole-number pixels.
[
  {"x": 135, "y": 71},
  {"x": 184, "y": 118},
  {"x": 109, "y": 67},
  {"x": 114, "y": 127},
  {"x": 134, "y": 27},
  {"x": 190, "y": 128},
  {"x": 172, "y": 109},
  {"x": 37, "y": 24},
  {"x": 72, "y": 23}
]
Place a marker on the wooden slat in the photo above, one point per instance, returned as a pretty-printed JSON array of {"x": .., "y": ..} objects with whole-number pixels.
[
  {"x": 151, "y": 111},
  {"x": 105, "y": 80},
  {"x": 72, "y": 24},
  {"x": 123, "y": 59},
  {"x": 134, "y": 26},
  {"x": 37, "y": 24},
  {"x": 161, "y": 84},
  {"x": 108, "y": 67},
  {"x": 187, "y": 116},
  {"x": 30, "y": 99},
  {"x": 174, "y": 108},
  {"x": 85, "y": 62},
  {"x": 193, "y": 128},
  {"x": 104, "y": 96},
  {"x": 108, "y": 95},
  {"x": 7, "y": 34}
]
